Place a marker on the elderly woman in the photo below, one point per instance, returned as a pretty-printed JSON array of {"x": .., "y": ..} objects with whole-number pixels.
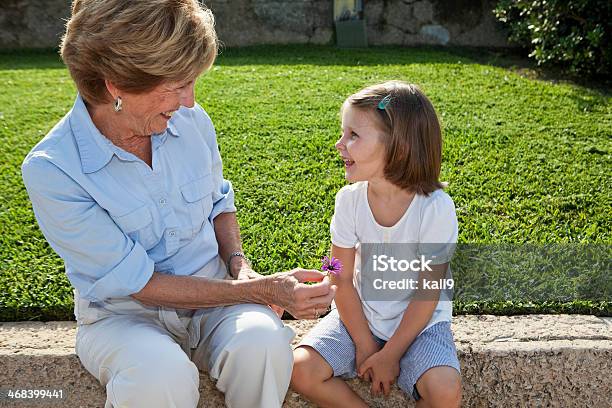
[{"x": 128, "y": 189}]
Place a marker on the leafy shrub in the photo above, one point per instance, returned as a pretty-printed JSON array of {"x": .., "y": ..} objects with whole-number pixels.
[{"x": 574, "y": 34}]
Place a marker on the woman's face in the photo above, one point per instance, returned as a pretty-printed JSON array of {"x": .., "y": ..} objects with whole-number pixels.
[
  {"x": 360, "y": 145},
  {"x": 149, "y": 112}
]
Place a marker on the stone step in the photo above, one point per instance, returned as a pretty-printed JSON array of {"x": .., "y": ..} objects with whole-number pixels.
[{"x": 506, "y": 361}]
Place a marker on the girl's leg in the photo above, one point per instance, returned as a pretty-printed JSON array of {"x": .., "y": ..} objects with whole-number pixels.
[
  {"x": 430, "y": 370},
  {"x": 314, "y": 378},
  {"x": 439, "y": 387}
]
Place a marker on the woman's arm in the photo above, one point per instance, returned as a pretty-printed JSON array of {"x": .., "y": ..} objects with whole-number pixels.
[
  {"x": 194, "y": 292},
  {"x": 284, "y": 289},
  {"x": 227, "y": 233}
]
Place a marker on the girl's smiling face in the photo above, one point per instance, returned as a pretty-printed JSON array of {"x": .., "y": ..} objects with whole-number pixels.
[{"x": 361, "y": 145}]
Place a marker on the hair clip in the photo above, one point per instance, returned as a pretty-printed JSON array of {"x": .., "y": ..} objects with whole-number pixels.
[{"x": 382, "y": 105}]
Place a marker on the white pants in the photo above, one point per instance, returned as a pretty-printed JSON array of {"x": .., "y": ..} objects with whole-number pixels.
[{"x": 150, "y": 357}]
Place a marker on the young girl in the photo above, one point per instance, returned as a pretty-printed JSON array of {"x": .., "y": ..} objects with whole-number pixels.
[{"x": 391, "y": 146}]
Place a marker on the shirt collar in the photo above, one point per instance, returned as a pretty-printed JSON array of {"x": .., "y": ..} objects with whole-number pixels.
[
  {"x": 95, "y": 150},
  {"x": 172, "y": 128}
]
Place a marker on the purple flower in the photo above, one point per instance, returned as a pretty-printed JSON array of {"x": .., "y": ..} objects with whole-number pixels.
[{"x": 332, "y": 265}]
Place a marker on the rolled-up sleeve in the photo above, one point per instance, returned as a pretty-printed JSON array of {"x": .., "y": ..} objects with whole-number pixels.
[
  {"x": 101, "y": 261},
  {"x": 223, "y": 192}
]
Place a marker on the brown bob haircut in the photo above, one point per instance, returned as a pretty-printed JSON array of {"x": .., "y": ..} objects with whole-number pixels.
[
  {"x": 136, "y": 44},
  {"x": 413, "y": 139}
]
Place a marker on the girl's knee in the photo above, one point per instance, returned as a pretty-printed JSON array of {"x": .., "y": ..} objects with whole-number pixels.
[
  {"x": 302, "y": 366},
  {"x": 440, "y": 387},
  {"x": 309, "y": 369}
]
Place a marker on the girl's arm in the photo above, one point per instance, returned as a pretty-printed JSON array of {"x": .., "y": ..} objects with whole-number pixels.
[
  {"x": 348, "y": 301},
  {"x": 417, "y": 314},
  {"x": 384, "y": 365}
]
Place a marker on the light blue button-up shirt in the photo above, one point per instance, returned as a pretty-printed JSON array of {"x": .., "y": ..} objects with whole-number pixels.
[{"x": 113, "y": 219}]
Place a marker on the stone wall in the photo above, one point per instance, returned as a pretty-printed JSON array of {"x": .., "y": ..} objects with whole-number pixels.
[
  {"x": 506, "y": 361},
  {"x": 440, "y": 22},
  {"x": 32, "y": 23},
  {"x": 39, "y": 23}
]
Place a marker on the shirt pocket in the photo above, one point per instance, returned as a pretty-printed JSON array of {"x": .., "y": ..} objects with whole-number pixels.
[
  {"x": 198, "y": 199},
  {"x": 138, "y": 225}
]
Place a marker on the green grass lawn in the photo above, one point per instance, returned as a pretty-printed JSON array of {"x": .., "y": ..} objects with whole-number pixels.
[{"x": 525, "y": 161}]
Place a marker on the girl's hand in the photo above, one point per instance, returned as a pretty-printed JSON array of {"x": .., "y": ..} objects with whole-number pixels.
[
  {"x": 384, "y": 371},
  {"x": 362, "y": 352}
]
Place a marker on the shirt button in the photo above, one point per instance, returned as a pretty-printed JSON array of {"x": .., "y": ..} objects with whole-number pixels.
[
  {"x": 172, "y": 233},
  {"x": 162, "y": 201}
]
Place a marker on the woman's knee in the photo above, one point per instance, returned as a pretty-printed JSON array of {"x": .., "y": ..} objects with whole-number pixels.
[
  {"x": 263, "y": 341},
  {"x": 259, "y": 332},
  {"x": 255, "y": 342},
  {"x": 162, "y": 381},
  {"x": 440, "y": 387}
]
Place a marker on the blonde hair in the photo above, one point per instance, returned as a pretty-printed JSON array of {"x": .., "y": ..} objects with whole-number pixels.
[
  {"x": 136, "y": 44},
  {"x": 413, "y": 138}
]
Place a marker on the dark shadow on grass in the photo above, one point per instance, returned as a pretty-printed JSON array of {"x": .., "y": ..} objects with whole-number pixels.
[
  {"x": 500, "y": 308},
  {"x": 325, "y": 55},
  {"x": 36, "y": 313},
  {"x": 516, "y": 60},
  {"x": 510, "y": 59},
  {"x": 319, "y": 55},
  {"x": 30, "y": 59},
  {"x": 512, "y": 308}
]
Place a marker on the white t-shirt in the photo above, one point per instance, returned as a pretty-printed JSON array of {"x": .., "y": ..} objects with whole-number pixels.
[{"x": 430, "y": 219}]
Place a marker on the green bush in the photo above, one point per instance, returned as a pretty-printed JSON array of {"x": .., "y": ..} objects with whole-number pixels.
[{"x": 574, "y": 34}]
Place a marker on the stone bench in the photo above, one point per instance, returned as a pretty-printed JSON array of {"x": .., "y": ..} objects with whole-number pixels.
[{"x": 506, "y": 361}]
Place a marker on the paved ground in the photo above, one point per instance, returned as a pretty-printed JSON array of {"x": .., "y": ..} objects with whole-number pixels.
[{"x": 537, "y": 360}]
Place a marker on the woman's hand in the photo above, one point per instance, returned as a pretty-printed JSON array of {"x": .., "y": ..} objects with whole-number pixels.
[
  {"x": 384, "y": 369},
  {"x": 287, "y": 289},
  {"x": 247, "y": 273}
]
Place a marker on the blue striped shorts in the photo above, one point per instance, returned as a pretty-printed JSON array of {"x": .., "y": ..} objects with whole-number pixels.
[{"x": 432, "y": 348}]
